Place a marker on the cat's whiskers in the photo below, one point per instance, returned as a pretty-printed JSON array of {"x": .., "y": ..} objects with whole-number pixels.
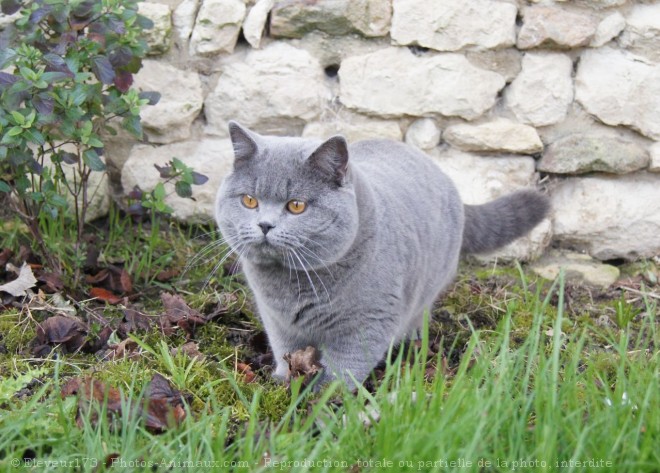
[
  {"x": 309, "y": 277},
  {"x": 311, "y": 254},
  {"x": 292, "y": 269},
  {"x": 318, "y": 277},
  {"x": 200, "y": 257},
  {"x": 218, "y": 265}
]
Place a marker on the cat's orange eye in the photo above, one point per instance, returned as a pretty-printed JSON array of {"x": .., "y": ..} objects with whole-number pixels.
[
  {"x": 296, "y": 206},
  {"x": 249, "y": 201}
]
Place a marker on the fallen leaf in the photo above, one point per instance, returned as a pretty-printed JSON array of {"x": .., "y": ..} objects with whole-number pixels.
[
  {"x": 52, "y": 280},
  {"x": 134, "y": 321},
  {"x": 22, "y": 283},
  {"x": 113, "y": 279},
  {"x": 304, "y": 363},
  {"x": 104, "y": 295},
  {"x": 166, "y": 275},
  {"x": 246, "y": 371},
  {"x": 190, "y": 349},
  {"x": 124, "y": 349},
  {"x": 179, "y": 314},
  {"x": 162, "y": 407},
  {"x": 69, "y": 332},
  {"x": 165, "y": 405}
]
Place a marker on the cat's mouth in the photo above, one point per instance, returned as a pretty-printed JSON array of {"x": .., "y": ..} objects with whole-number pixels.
[{"x": 265, "y": 250}]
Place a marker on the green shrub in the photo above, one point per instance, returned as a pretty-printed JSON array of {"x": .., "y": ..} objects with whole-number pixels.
[{"x": 67, "y": 70}]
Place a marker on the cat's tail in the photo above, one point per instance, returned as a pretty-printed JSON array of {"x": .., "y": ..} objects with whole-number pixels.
[{"x": 491, "y": 226}]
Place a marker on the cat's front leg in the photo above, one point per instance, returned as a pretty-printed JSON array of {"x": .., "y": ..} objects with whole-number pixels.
[{"x": 351, "y": 363}]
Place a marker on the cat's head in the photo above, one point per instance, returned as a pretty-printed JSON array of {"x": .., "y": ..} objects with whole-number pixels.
[{"x": 288, "y": 201}]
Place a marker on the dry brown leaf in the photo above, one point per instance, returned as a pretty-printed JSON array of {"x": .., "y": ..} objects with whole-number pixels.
[
  {"x": 162, "y": 408},
  {"x": 104, "y": 295},
  {"x": 22, "y": 283},
  {"x": 246, "y": 371},
  {"x": 304, "y": 363},
  {"x": 191, "y": 349}
]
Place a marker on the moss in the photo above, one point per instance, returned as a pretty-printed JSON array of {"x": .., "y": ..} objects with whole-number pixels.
[{"x": 16, "y": 332}]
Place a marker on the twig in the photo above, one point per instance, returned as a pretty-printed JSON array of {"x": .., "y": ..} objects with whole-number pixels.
[{"x": 641, "y": 293}]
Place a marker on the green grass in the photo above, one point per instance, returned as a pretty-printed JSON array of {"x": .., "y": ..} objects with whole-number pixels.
[{"x": 584, "y": 399}]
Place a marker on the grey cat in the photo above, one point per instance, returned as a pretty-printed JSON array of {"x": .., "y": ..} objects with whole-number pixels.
[{"x": 346, "y": 246}]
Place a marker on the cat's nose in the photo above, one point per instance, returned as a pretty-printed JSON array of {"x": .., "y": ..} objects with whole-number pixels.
[{"x": 266, "y": 227}]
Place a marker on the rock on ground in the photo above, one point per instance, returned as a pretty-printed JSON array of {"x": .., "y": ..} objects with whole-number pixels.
[
  {"x": 451, "y": 86},
  {"x": 180, "y": 103},
  {"x": 543, "y": 91},
  {"x": 212, "y": 157},
  {"x": 581, "y": 153},
  {"x": 498, "y": 135},
  {"x": 607, "y": 216},
  {"x": 452, "y": 25},
  {"x": 274, "y": 90},
  {"x": 480, "y": 179},
  {"x": 620, "y": 89},
  {"x": 577, "y": 267}
]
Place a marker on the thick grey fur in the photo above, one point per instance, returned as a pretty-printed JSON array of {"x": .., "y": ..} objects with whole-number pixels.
[{"x": 379, "y": 241}]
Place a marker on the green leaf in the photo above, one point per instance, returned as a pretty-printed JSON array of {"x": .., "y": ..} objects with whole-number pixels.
[
  {"x": 183, "y": 189},
  {"x": 4, "y": 187},
  {"x": 18, "y": 117},
  {"x": 14, "y": 131},
  {"x": 35, "y": 136},
  {"x": 58, "y": 201},
  {"x": 95, "y": 142},
  {"x": 91, "y": 159},
  {"x": 133, "y": 126},
  {"x": 159, "y": 191}
]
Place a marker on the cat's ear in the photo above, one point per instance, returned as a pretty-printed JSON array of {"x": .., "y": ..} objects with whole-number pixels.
[
  {"x": 244, "y": 142},
  {"x": 331, "y": 159}
]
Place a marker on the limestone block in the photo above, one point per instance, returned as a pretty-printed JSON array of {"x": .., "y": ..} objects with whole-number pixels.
[
  {"x": 212, "y": 157},
  {"x": 499, "y": 135},
  {"x": 255, "y": 22},
  {"x": 480, "y": 179},
  {"x": 295, "y": 18},
  {"x": 452, "y": 25},
  {"x": 609, "y": 216},
  {"x": 159, "y": 37},
  {"x": 423, "y": 134},
  {"x": 181, "y": 101},
  {"x": 382, "y": 83},
  {"x": 620, "y": 89},
  {"x": 609, "y": 28},
  {"x": 506, "y": 62},
  {"x": 183, "y": 18},
  {"x": 556, "y": 27},
  {"x": 654, "y": 151},
  {"x": 577, "y": 267},
  {"x": 581, "y": 153},
  {"x": 354, "y": 128},
  {"x": 543, "y": 91},
  {"x": 275, "y": 90},
  {"x": 642, "y": 32},
  {"x": 217, "y": 27}
]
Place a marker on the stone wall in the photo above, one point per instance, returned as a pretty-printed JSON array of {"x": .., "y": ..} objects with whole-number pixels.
[{"x": 564, "y": 95}]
